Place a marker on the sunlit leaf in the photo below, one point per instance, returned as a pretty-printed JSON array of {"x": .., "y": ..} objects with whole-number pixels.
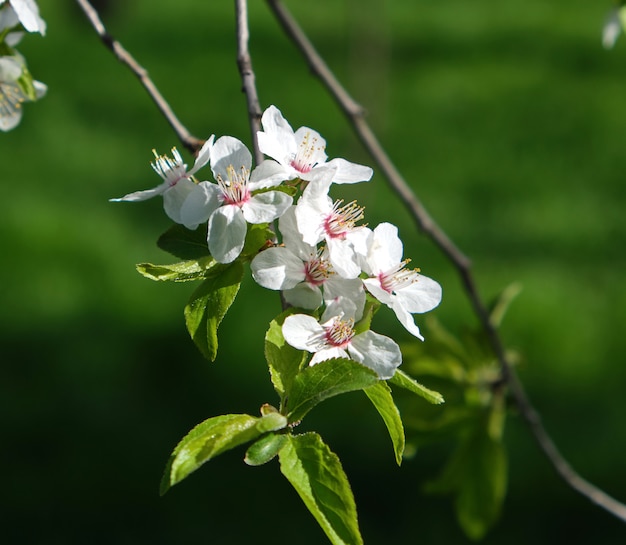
[
  {"x": 380, "y": 396},
  {"x": 400, "y": 378},
  {"x": 208, "y": 306},
  {"x": 323, "y": 380},
  {"x": 184, "y": 271},
  {"x": 316, "y": 474},
  {"x": 264, "y": 449}
]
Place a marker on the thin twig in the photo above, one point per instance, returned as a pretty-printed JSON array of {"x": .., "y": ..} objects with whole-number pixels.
[
  {"x": 244, "y": 62},
  {"x": 355, "y": 115},
  {"x": 190, "y": 142}
]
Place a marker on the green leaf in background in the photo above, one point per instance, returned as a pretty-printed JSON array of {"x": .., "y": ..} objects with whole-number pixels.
[
  {"x": 258, "y": 236},
  {"x": 208, "y": 306},
  {"x": 400, "y": 378},
  {"x": 380, "y": 396},
  {"x": 284, "y": 360},
  {"x": 184, "y": 271},
  {"x": 212, "y": 437},
  {"x": 185, "y": 243},
  {"x": 477, "y": 475},
  {"x": 265, "y": 449},
  {"x": 316, "y": 474},
  {"x": 323, "y": 380}
]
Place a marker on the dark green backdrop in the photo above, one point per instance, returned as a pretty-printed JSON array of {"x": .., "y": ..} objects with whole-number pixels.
[{"x": 507, "y": 118}]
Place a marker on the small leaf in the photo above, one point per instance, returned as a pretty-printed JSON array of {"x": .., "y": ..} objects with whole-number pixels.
[
  {"x": 316, "y": 474},
  {"x": 284, "y": 360},
  {"x": 181, "y": 272},
  {"x": 400, "y": 378},
  {"x": 208, "y": 306},
  {"x": 257, "y": 238},
  {"x": 499, "y": 307},
  {"x": 185, "y": 243},
  {"x": 323, "y": 380},
  {"x": 265, "y": 449},
  {"x": 380, "y": 396},
  {"x": 206, "y": 441}
]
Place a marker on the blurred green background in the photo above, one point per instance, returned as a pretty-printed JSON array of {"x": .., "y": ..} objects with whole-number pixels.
[{"x": 509, "y": 121}]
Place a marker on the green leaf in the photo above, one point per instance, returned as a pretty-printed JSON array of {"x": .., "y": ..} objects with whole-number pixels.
[
  {"x": 265, "y": 449},
  {"x": 499, "y": 307},
  {"x": 323, "y": 380},
  {"x": 400, "y": 378},
  {"x": 284, "y": 361},
  {"x": 208, "y": 306},
  {"x": 185, "y": 243},
  {"x": 181, "y": 272},
  {"x": 258, "y": 236},
  {"x": 316, "y": 474},
  {"x": 477, "y": 475},
  {"x": 210, "y": 438},
  {"x": 380, "y": 396}
]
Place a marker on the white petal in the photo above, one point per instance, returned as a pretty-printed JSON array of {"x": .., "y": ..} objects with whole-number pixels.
[
  {"x": 420, "y": 296},
  {"x": 328, "y": 354},
  {"x": 227, "y": 233},
  {"x": 277, "y": 138},
  {"x": 200, "y": 204},
  {"x": 336, "y": 288},
  {"x": 277, "y": 269},
  {"x": 350, "y": 173},
  {"x": 377, "y": 352},
  {"x": 28, "y": 14},
  {"x": 145, "y": 194},
  {"x": 374, "y": 287},
  {"x": 312, "y": 143},
  {"x": 304, "y": 296},
  {"x": 292, "y": 238},
  {"x": 268, "y": 174},
  {"x": 310, "y": 215},
  {"x": 175, "y": 196},
  {"x": 342, "y": 258},
  {"x": 406, "y": 319},
  {"x": 612, "y": 29},
  {"x": 204, "y": 155},
  {"x": 228, "y": 151},
  {"x": 266, "y": 207},
  {"x": 303, "y": 332},
  {"x": 385, "y": 249},
  {"x": 340, "y": 307}
]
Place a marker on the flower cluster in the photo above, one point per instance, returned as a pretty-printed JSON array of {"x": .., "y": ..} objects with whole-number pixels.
[
  {"x": 16, "y": 83},
  {"x": 323, "y": 259}
]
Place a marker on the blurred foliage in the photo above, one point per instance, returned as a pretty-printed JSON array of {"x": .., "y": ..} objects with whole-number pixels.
[{"x": 508, "y": 120}]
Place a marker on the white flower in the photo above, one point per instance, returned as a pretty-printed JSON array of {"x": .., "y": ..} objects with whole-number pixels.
[
  {"x": 320, "y": 219},
  {"x": 403, "y": 290},
  {"x": 177, "y": 183},
  {"x": 27, "y": 13},
  {"x": 301, "y": 152},
  {"x": 230, "y": 204},
  {"x": 612, "y": 28},
  {"x": 12, "y": 94},
  {"x": 335, "y": 338},
  {"x": 302, "y": 270}
]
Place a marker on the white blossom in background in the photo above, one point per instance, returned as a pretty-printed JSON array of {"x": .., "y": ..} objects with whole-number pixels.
[
  {"x": 230, "y": 204},
  {"x": 320, "y": 219},
  {"x": 12, "y": 94},
  {"x": 335, "y": 337},
  {"x": 302, "y": 153},
  {"x": 612, "y": 27},
  {"x": 26, "y": 12},
  {"x": 403, "y": 290},
  {"x": 177, "y": 183},
  {"x": 303, "y": 271}
]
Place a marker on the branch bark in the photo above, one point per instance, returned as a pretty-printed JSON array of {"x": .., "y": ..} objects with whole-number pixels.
[
  {"x": 190, "y": 142},
  {"x": 244, "y": 62},
  {"x": 355, "y": 114}
]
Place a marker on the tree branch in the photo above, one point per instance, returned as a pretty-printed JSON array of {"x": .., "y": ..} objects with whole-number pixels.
[
  {"x": 244, "y": 62},
  {"x": 355, "y": 115},
  {"x": 190, "y": 142}
]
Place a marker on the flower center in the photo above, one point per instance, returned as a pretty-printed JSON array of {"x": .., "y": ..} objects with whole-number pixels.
[
  {"x": 317, "y": 269},
  {"x": 398, "y": 277},
  {"x": 341, "y": 219},
  {"x": 171, "y": 170},
  {"x": 340, "y": 332},
  {"x": 10, "y": 99},
  {"x": 235, "y": 189},
  {"x": 303, "y": 160}
]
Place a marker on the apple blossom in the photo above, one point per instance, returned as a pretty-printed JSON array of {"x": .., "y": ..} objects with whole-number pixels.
[
  {"x": 16, "y": 87},
  {"x": 27, "y": 13},
  {"x": 301, "y": 153},
  {"x": 335, "y": 338},
  {"x": 230, "y": 204},
  {"x": 403, "y": 290},
  {"x": 177, "y": 183}
]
